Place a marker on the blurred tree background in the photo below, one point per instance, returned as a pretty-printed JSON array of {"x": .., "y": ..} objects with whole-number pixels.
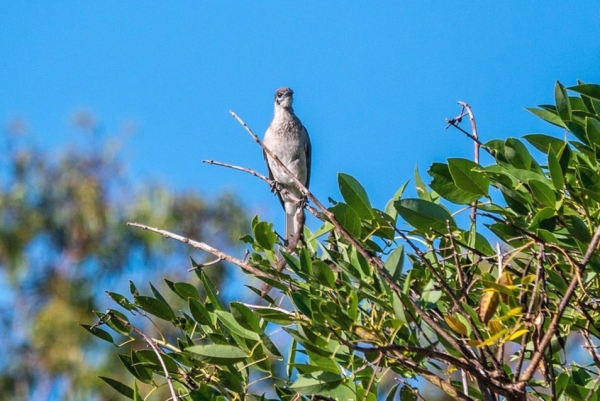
[{"x": 63, "y": 242}]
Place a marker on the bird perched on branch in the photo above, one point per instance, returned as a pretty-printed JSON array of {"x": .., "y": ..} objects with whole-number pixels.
[{"x": 288, "y": 140}]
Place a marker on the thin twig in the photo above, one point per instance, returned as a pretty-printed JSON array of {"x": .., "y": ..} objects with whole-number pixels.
[
  {"x": 272, "y": 183},
  {"x": 204, "y": 247},
  {"x": 564, "y": 303},
  {"x": 154, "y": 347}
]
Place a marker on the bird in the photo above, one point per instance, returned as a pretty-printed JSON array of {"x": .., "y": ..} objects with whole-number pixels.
[{"x": 288, "y": 140}]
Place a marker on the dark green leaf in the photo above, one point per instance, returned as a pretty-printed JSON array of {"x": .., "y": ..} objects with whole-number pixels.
[
  {"x": 244, "y": 316},
  {"x": 316, "y": 382},
  {"x": 590, "y": 90},
  {"x": 579, "y": 229},
  {"x": 544, "y": 142},
  {"x": 98, "y": 332},
  {"x": 517, "y": 154},
  {"x": 556, "y": 173},
  {"x": 121, "y": 300},
  {"x": 157, "y": 294},
  {"x": 546, "y": 115},
  {"x": 562, "y": 102},
  {"x": 199, "y": 312},
  {"x": 229, "y": 321},
  {"x": 355, "y": 196},
  {"x": 424, "y": 216},
  {"x": 466, "y": 179},
  {"x": 407, "y": 394},
  {"x": 211, "y": 291},
  {"x": 183, "y": 290},
  {"x": 578, "y": 130},
  {"x": 302, "y": 303},
  {"x": 120, "y": 387},
  {"x": 443, "y": 184},
  {"x": 155, "y": 307},
  {"x": 264, "y": 235},
  {"x": 348, "y": 218},
  {"x": 395, "y": 262},
  {"x": 215, "y": 353},
  {"x": 543, "y": 193},
  {"x": 542, "y": 215},
  {"x": 149, "y": 357},
  {"x": 592, "y": 129},
  {"x": 323, "y": 273}
]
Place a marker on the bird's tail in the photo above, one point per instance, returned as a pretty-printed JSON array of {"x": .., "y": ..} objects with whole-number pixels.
[{"x": 290, "y": 226}]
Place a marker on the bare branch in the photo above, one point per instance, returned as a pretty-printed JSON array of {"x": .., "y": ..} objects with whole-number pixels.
[
  {"x": 204, "y": 247},
  {"x": 564, "y": 303}
]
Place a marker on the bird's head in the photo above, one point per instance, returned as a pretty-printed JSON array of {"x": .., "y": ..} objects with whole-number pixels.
[{"x": 284, "y": 97}]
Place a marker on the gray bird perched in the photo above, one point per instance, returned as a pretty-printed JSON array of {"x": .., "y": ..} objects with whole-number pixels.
[{"x": 287, "y": 139}]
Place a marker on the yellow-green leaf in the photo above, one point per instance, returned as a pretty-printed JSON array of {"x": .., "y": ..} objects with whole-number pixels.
[{"x": 456, "y": 325}]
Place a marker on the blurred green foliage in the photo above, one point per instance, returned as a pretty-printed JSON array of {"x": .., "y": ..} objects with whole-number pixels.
[{"x": 63, "y": 241}]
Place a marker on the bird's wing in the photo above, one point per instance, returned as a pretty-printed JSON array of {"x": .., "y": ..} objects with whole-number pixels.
[
  {"x": 271, "y": 177},
  {"x": 308, "y": 150}
]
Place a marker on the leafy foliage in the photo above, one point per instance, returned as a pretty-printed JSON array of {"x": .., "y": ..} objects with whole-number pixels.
[
  {"x": 63, "y": 241},
  {"x": 372, "y": 299}
]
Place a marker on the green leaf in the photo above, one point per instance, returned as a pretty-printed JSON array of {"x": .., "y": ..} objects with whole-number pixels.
[
  {"x": 392, "y": 393},
  {"x": 229, "y": 321},
  {"x": 156, "y": 307},
  {"x": 121, "y": 300},
  {"x": 274, "y": 315},
  {"x": 407, "y": 394},
  {"x": 136, "y": 392},
  {"x": 355, "y": 196},
  {"x": 398, "y": 307},
  {"x": 556, "y": 173},
  {"x": 578, "y": 229},
  {"x": 199, "y": 312},
  {"x": 120, "y": 387},
  {"x": 444, "y": 184},
  {"x": 395, "y": 262},
  {"x": 562, "y": 102},
  {"x": 424, "y": 216},
  {"x": 211, "y": 291},
  {"x": 422, "y": 190},
  {"x": 544, "y": 142},
  {"x": 389, "y": 207},
  {"x": 316, "y": 382},
  {"x": 348, "y": 218},
  {"x": 217, "y": 353},
  {"x": 467, "y": 179},
  {"x": 323, "y": 273},
  {"x": 590, "y": 90},
  {"x": 244, "y": 316},
  {"x": 149, "y": 358},
  {"x": 139, "y": 372},
  {"x": 543, "y": 193},
  {"x": 264, "y": 235},
  {"x": 541, "y": 216},
  {"x": 98, "y": 332},
  {"x": 564, "y": 157},
  {"x": 157, "y": 294},
  {"x": 517, "y": 154},
  {"x": 578, "y": 130},
  {"x": 183, "y": 290},
  {"x": 592, "y": 129},
  {"x": 546, "y": 115}
]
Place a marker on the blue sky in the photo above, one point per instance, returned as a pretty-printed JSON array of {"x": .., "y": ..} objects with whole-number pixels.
[{"x": 373, "y": 84}]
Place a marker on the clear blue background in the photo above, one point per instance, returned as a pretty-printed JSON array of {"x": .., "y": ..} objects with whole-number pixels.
[{"x": 374, "y": 81}]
